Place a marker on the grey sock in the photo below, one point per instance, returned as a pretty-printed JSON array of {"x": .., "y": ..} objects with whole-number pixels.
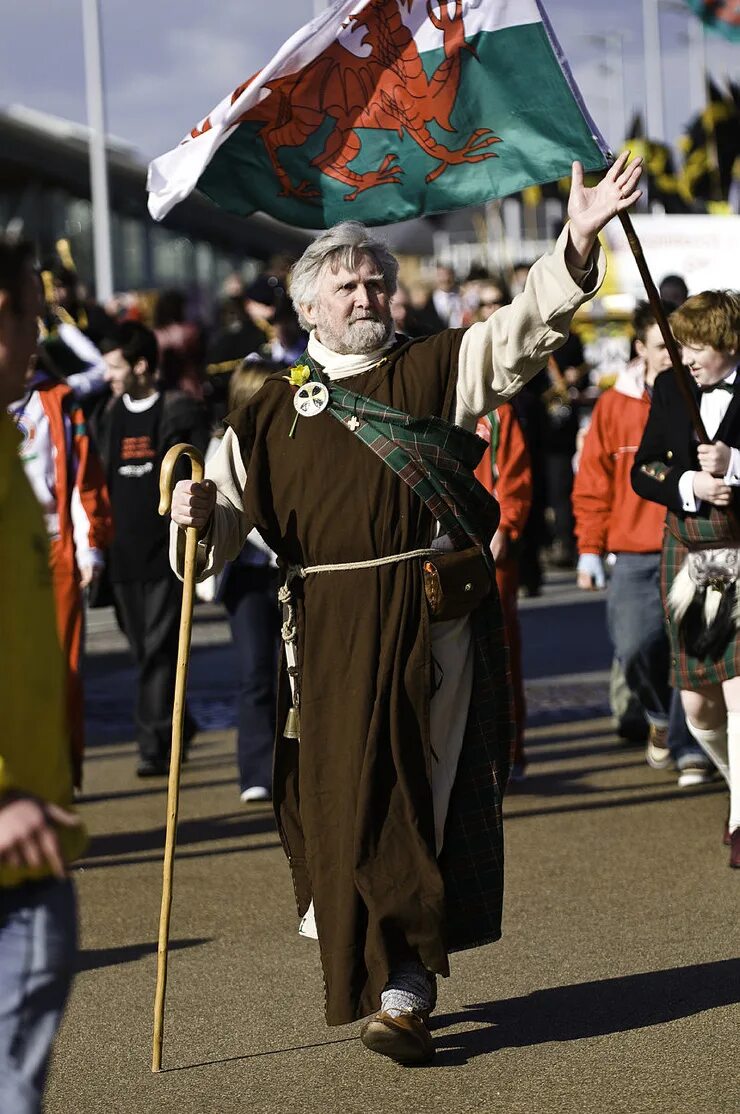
[{"x": 409, "y": 987}]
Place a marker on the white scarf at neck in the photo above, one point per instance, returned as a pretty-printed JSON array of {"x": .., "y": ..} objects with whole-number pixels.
[{"x": 338, "y": 366}]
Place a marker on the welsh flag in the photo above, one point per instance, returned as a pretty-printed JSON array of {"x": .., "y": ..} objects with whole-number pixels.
[
  {"x": 722, "y": 16},
  {"x": 386, "y": 109}
]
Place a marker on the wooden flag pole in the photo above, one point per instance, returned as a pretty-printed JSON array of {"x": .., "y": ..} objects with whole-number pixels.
[
  {"x": 178, "y": 716},
  {"x": 682, "y": 375}
]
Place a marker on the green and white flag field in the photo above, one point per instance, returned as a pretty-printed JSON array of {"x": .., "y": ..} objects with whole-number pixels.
[{"x": 389, "y": 109}]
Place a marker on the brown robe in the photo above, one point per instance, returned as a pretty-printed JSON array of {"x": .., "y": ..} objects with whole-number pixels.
[{"x": 353, "y": 798}]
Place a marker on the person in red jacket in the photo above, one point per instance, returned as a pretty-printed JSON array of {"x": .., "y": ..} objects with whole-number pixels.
[
  {"x": 505, "y": 470},
  {"x": 612, "y": 519},
  {"x": 67, "y": 478}
]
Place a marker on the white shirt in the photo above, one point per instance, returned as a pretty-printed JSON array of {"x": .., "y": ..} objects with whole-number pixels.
[
  {"x": 449, "y": 307},
  {"x": 713, "y": 407}
]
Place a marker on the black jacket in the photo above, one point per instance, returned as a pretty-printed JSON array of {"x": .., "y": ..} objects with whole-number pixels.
[{"x": 668, "y": 446}]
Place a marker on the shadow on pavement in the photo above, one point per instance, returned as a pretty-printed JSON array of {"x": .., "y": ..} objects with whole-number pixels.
[
  {"x": 567, "y": 1013},
  {"x": 557, "y": 782},
  {"x": 160, "y": 789},
  {"x": 258, "y": 1055},
  {"x": 559, "y": 750},
  {"x": 156, "y": 856},
  {"x": 643, "y": 798},
  {"x": 203, "y": 830},
  {"x": 89, "y": 959}
]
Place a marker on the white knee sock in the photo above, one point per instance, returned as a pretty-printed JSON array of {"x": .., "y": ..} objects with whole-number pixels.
[
  {"x": 733, "y": 754},
  {"x": 713, "y": 742}
]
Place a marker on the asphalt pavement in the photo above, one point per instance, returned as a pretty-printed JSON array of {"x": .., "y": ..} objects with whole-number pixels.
[{"x": 614, "y": 989}]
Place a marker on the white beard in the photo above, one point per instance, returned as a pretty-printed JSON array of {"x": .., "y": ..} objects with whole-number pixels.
[{"x": 356, "y": 338}]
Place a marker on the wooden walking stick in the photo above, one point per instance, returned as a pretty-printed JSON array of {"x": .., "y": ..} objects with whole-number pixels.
[{"x": 178, "y": 716}]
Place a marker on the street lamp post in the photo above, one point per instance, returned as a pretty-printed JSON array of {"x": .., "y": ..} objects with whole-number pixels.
[
  {"x": 612, "y": 43},
  {"x": 697, "y": 63},
  {"x": 653, "y": 70},
  {"x": 98, "y": 166}
]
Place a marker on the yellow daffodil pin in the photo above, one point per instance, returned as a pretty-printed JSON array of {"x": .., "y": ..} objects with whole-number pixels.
[{"x": 299, "y": 374}]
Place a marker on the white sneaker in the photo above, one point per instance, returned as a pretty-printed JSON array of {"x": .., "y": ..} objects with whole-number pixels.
[
  {"x": 657, "y": 751},
  {"x": 255, "y": 793},
  {"x": 695, "y": 773}
]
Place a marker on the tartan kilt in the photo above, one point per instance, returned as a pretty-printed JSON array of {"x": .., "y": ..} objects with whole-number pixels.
[
  {"x": 688, "y": 672},
  {"x": 472, "y": 858}
]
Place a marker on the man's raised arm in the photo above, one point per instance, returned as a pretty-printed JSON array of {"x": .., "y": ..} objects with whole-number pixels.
[{"x": 498, "y": 356}]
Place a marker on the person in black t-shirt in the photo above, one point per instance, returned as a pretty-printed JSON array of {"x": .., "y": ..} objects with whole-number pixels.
[{"x": 136, "y": 427}]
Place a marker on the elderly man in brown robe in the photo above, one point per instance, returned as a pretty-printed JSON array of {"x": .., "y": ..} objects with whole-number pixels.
[{"x": 389, "y": 803}]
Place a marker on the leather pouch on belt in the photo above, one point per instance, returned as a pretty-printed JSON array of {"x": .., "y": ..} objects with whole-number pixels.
[{"x": 455, "y": 583}]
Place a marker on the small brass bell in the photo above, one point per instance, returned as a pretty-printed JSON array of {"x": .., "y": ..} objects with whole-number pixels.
[{"x": 292, "y": 725}]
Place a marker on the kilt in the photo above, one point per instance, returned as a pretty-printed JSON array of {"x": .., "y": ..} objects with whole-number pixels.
[{"x": 687, "y": 671}]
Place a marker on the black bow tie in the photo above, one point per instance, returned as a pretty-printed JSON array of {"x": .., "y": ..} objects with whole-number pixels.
[{"x": 722, "y": 386}]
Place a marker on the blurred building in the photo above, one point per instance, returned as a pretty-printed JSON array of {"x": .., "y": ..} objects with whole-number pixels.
[{"x": 45, "y": 196}]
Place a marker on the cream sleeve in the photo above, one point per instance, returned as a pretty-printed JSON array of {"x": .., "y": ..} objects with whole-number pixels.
[
  {"x": 498, "y": 356},
  {"x": 228, "y": 528}
]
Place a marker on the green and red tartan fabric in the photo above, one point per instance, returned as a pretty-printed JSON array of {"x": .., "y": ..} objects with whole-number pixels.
[
  {"x": 435, "y": 458},
  {"x": 687, "y": 671},
  {"x": 699, "y": 531},
  {"x": 683, "y": 533}
]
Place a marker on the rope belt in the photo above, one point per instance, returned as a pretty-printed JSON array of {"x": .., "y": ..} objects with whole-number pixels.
[
  {"x": 376, "y": 562},
  {"x": 288, "y": 631}
]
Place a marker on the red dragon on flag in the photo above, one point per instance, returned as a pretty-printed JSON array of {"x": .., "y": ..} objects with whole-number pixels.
[
  {"x": 386, "y": 90},
  {"x": 442, "y": 103}
]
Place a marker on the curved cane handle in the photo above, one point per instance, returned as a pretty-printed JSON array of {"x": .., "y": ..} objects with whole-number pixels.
[{"x": 168, "y": 467}]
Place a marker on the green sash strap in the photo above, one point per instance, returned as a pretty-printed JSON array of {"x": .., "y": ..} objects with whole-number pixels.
[{"x": 434, "y": 457}]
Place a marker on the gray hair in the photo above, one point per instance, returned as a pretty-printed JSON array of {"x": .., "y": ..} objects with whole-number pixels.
[{"x": 344, "y": 245}]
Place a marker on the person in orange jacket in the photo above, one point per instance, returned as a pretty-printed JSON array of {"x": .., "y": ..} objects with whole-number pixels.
[
  {"x": 612, "y": 519},
  {"x": 505, "y": 470},
  {"x": 67, "y": 478}
]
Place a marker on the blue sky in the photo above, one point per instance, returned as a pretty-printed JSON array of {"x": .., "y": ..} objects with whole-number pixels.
[{"x": 168, "y": 62}]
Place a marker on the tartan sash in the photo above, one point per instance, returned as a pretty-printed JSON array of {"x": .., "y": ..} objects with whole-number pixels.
[
  {"x": 698, "y": 531},
  {"x": 434, "y": 457}
]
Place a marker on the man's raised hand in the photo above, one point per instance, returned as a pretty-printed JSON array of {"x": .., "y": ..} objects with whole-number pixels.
[
  {"x": 193, "y": 503},
  {"x": 590, "y": 208}
]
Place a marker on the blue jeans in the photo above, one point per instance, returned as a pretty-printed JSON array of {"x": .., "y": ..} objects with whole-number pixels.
[
  {"x": 250, "y": 598},
  {"x": 38, "y": 946},
  {"x": 637, "y": 629}
]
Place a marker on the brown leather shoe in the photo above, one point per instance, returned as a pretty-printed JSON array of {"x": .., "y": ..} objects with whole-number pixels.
[
  {"x": 735, "y": 848},
  {"x": 404, "y": 1039}
]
